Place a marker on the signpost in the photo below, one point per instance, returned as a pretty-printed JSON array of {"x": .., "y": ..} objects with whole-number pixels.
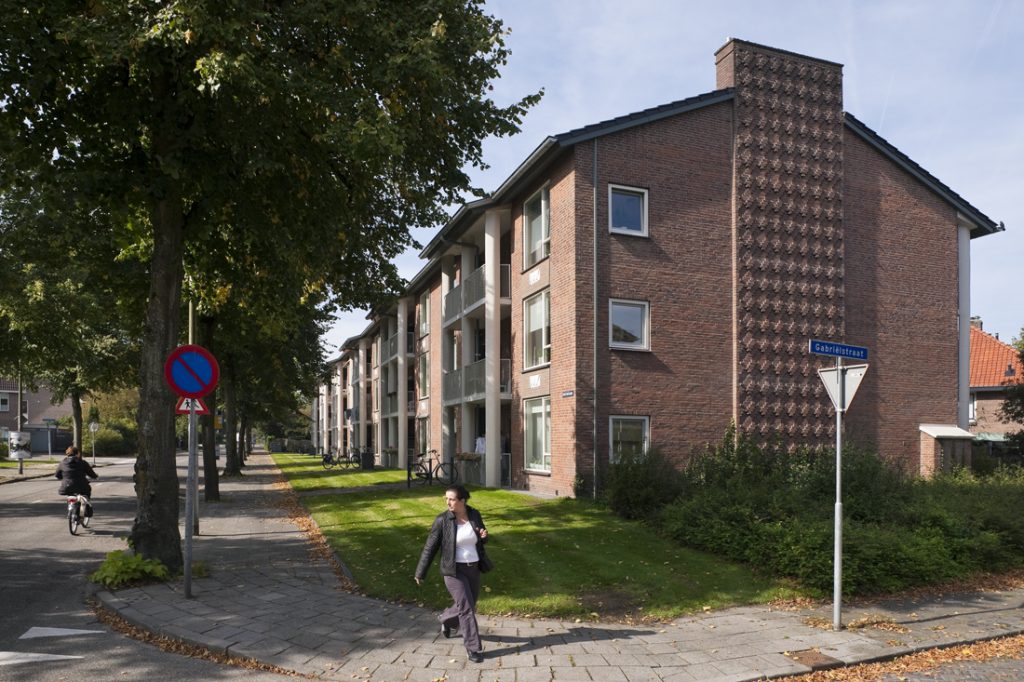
[
  {"x": 841, "y": 383},
  {"x": 49, "y": 435},
  {"x": 191, "y": 372},
  {"x": 93, "y": 428}
]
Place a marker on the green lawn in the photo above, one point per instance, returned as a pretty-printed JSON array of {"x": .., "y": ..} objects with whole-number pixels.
[
  {"x": 305, "y": 472},
  {"x": 29, "y": 463},
  {"x": 553, "y": 558}
]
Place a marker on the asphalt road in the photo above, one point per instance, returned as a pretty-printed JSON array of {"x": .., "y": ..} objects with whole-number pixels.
[{"x": 47, "y": 631}]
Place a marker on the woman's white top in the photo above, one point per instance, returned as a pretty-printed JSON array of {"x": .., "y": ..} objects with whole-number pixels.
[{"x": 465, "y": 544}]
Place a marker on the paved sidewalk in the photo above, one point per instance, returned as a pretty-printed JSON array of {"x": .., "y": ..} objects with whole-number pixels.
[{"x": 268, "y": 598}]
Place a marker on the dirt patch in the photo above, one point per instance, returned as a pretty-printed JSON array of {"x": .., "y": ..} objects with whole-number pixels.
[{"x": 608, "y": 604}]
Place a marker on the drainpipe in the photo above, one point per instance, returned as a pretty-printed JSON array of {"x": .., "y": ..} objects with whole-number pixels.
[{"x": 594, "y": 381}]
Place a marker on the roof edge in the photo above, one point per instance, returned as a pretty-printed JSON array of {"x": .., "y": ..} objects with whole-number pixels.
[{"x": 983, "y": 224}]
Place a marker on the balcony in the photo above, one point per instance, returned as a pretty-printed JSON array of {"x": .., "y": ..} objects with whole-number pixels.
[
  {"x": 470, "y": 293},
  {"x": 469, "y": 383},
  {"x": 389, "y": 406},
  {"x": 391, "y": 348}
]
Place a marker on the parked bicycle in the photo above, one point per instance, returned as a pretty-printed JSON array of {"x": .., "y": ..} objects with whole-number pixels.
[
  {"x": 79, "y": 512},
  {"x": 427, "y": 467},
  {"x": 345, "y": 461}
]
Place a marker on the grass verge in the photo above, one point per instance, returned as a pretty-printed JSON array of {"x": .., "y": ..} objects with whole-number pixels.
[
  {"x": 553, "y": 558},
  {"x": 305, "y": 472}
]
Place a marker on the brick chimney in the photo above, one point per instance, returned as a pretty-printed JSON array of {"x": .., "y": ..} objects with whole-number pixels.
[{"x": 788, "y": 198}]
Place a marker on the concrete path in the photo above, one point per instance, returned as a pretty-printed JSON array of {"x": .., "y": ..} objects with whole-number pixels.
[{"x": 270, "y": 598}]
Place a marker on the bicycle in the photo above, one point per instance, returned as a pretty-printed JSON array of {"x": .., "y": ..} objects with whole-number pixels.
[
  {"x": 79, "y": 512},
  {"x": 424, "y": 471},
  {"x": 330, "y": 460}
]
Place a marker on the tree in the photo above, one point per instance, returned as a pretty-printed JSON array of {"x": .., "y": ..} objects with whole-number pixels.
[
  {"x": 323, "y": 130},
  {"x": 1012, "y": 411}
]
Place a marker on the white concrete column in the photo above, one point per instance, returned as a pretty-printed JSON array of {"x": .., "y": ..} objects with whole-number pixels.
[
  {"x": 437, "y": 408},
  {"x": 361, "y": 425},
  {"x": 403, "y": 382},
  {"x": 314, "y": 419},
  {"x": 468, "y": 344},
  {"x": 339, "y": 418},
  {"x": 964, "y": 327},
  {"x": 492, "y": 342}
]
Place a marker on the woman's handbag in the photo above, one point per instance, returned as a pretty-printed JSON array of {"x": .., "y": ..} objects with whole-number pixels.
[{"x": 484, "y": 562}]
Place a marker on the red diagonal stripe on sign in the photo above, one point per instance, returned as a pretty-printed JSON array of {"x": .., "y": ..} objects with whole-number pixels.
[{"x": 191, "y": 371}]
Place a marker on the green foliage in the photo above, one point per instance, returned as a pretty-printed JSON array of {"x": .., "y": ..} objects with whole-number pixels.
[
  {"x": 774, "y": 509},
  {"x": 640, "y": 484},
  {"x": 3, "y": 450},
  {"x": 121, "y": 568},
  {"x": 111, "y": 442}
]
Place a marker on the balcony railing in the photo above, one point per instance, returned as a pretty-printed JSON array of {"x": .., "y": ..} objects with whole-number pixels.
[
  {"x": 453, "y": 303},
  {"x": 390, "y": 404},
  {"x": 391, "y": 348},
  {"x": 472, "y": 290},
  {"x": 470, "y": 382}
]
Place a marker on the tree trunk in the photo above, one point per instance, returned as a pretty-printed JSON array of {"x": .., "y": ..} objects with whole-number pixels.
[
  {"x": 243, "y": 424},
  {"x": 211, "y": 478},
  {"x": 76, "y": 419},
  {"x": 155, "y": 533},
  {"x": 233, "y": 467}
]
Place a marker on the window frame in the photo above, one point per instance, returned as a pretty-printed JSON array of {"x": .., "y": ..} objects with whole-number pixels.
[
  {"x": 5, "y": 402},
  {"x": 422, "y": 434},
  {"x": 645, "y": 344},
  {"x": 423, "y": 375},
  {"x": 423, "y": 312},
  {"x": 546, "y": 338},
  {"x": 545, "y": 457},
  {"x": 544, "y": 195},
  {"x": 644, "y": 218},
  {"x": 645, "y": 419}
]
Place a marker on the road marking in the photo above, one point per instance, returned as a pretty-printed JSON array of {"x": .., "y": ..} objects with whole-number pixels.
[
  {"x": 13, "y": 657},
  {"x": 34, "y": 633}
]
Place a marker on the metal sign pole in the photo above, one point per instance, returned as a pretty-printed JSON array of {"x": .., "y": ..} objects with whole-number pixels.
[
  {"x": 837, "y": 560},
  {"x": 190, "y": 496}
]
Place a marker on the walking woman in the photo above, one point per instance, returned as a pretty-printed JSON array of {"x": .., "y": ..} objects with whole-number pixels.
[{"x": 459, "y": 534}]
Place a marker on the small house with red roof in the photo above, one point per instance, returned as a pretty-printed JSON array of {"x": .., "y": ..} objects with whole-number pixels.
[{"x": 994, "y": 365}]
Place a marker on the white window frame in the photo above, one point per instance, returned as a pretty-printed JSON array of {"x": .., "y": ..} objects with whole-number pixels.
[
  {"x": 972, "y": 409},
  {"x": 626, "y": 189},
  {"x": 545, "y": 218},
  {"x": 545, "y": 457},
  {"x": 5, "y": 402},
  {"x": 546, "y": 338},
  {"x": 423, "y": 389},
  {"x": 422, "y": 434},
  {"x": 424, "y": 314},
  {"x": 627, "y": 417},
  {"x": 645, "y": 344}
]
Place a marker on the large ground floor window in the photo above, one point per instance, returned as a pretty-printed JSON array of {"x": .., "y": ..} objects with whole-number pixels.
[
  {"x": 629, "y": 435},
  {"x": 422, "y": 435},
  {"x": 537, "y": 433}
]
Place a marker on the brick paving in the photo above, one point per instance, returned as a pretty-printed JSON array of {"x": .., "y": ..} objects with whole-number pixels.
[{"x": 268, "y": 598}]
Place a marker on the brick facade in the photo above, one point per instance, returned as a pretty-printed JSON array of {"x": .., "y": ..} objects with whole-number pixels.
[{"x": 773, "y": 218}]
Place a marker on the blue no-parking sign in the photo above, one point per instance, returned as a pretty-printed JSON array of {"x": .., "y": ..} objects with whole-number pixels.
[{"x": 191, "y": 371}]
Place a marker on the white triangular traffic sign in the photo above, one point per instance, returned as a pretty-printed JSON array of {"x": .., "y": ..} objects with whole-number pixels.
[
  {"x": 185, "y": 404},
  {"x": 852, "y": 376}
]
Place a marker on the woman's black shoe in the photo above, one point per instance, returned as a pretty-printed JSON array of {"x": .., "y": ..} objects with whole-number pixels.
[
  {"x": 446, "y": 630},
  {"x": 476, "y": 656}
]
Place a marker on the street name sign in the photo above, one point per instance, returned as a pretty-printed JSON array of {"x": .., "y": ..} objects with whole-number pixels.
[{"x": 838, "y": 350}]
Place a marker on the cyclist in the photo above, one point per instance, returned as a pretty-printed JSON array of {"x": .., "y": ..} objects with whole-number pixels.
[{"x": 74, "y": 474}]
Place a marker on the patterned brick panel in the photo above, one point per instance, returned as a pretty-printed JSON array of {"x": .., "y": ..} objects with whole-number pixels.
[{"x": 789, "y": 236}]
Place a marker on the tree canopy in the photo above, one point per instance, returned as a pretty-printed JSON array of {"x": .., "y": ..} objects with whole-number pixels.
[{"x": 248, "y": 142}]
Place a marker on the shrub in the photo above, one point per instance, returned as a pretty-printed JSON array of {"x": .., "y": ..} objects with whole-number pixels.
[
  {"x": 3, "y": 450},
  {"x": 640, "y": 484},
  {"x": 121, "y": 568},
  {"x": 110, "y": 442}
]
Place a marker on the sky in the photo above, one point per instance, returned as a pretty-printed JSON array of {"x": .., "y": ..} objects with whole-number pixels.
[{"x": 942, "y": 80}]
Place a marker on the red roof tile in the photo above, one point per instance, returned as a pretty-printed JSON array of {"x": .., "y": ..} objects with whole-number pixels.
[{"x": 990, "y": 359}]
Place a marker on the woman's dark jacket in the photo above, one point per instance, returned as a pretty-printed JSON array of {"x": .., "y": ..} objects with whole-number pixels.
[
  {"x": 72, "y": 473},
  {"x": 442, "y": 537}
]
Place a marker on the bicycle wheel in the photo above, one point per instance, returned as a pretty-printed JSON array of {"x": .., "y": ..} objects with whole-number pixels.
[
  {"x": 447, "y": 472},
  {"x": 421, "y": 473},
  {"x": 327, "y": 461},
  {"x": 86, "y": 518},
  {"x": 73, "y": 518}
]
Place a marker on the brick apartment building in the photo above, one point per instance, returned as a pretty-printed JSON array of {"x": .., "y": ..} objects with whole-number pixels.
[{"x": 651, "y": 279}]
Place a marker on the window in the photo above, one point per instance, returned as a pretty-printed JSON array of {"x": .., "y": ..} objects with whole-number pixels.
[
  {"x": 424, "y": 313},
  {"x": 537, "y": 433},
  {"x": 424, "y": 366},
  {"x": 422, "y": 435},
  {"x": 5, "y": 402},
  {"x": 627, "y": 210},
  {"x": 972, "y": 408},
  {"x": 629, "y": 326},
  {"x": 628, "y": 435},
  {"x": 536, "y": 229},
  {"x": 537, "y": 330}
]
